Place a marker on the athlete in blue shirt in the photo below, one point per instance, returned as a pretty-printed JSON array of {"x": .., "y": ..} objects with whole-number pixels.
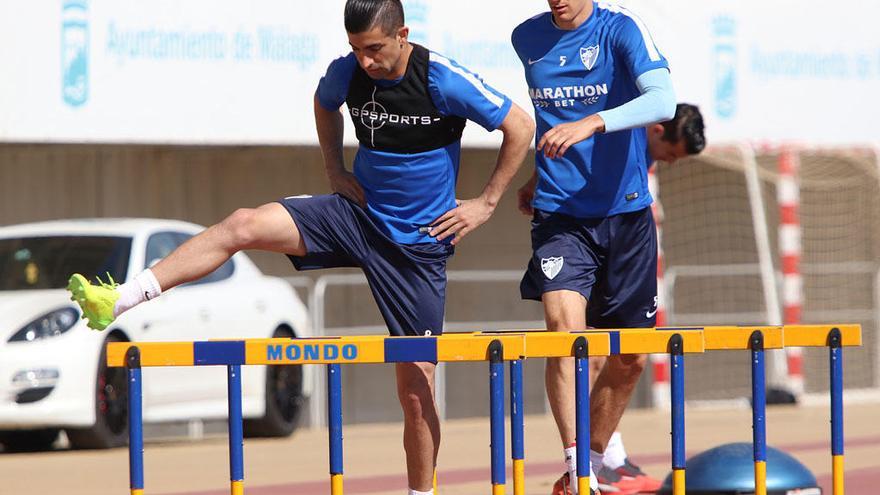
[
  {"x": 668, "y": 142},
  {"x": 396, "y": 217},
  {"x": 596, "y": 79}
]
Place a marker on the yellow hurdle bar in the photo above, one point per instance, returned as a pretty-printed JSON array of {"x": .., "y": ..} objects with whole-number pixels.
[
  {"x": 237, "y": 488},
  {"x": 473, "y": 346},
  {"x": 159, "y": 354},
  {"x": 561, "y": 344},
  {"x": 604, "y": 342},
  {"x": 737, "y": 338},
  {"x": 775, "y": 337},
  {"x": 327, "y": 350},
  {"x": 817, "y": 335},
  {"x": 651, "y": 341}
]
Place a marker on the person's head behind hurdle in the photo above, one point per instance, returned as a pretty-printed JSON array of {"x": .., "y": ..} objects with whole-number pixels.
[{"x": 678, "y": 138}]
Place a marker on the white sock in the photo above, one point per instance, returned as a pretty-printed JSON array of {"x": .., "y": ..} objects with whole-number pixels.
[
  {"x": 416, "y": 492},
  {"x": 615, "y": 454},
  {"x": 596, "y": 459},
  {"x": 571, "y": 465},
  {"x": 143, "y": 288}
]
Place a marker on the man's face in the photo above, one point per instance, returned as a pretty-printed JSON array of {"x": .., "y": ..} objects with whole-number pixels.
[
  {"x": 377, "y": 52},
  {"x": 565, "y": 11},
  {"x": 662, "y": 150}
]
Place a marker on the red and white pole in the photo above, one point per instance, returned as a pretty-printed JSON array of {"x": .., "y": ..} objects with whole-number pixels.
[
  {"x": 788, "y": 197},
  {"x": 660, "y": 362}
]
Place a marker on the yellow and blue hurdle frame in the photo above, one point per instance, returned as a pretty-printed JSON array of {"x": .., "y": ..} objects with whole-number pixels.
[
  {"x": 517, "y": 427},
  {"x": 236, "y": 432},
  {"x": 495, "y": 347},
  {"x": 835, "y": 356},
  {"x": 759, "y": 406},
  {"x": 334, "y": 413},
  {"x": 676, "y": 392},
  {"x": 582, "y": 412},
  {"x": 496, "y": 415},
  {"x": 135, "y": 422}
]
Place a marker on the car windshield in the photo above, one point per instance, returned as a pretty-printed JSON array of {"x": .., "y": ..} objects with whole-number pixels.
[{"x": 30, "y": 263}]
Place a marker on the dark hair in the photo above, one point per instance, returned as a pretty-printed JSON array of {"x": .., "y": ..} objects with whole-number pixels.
[
  {"x": 688, "y": 125},
  {"x": 363, "y": 15}
]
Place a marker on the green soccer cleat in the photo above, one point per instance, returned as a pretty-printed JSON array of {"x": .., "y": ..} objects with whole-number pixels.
[{"x": 96, "y": 301}]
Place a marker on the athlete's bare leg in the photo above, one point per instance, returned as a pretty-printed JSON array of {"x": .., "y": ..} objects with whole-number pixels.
[
  {"x": 610, "y": 395},
  {"x": 421, "y": 422},
  {"x": 564, "y": 311},
  {"x": 611, "y": 389},
  {"x": 269, "y": 228},
  {"x": 596, "y": 365}
]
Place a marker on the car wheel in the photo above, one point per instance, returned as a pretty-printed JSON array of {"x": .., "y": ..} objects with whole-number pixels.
[
  {"x": 28, "y": 440},
  {"x": 111, "y": 408},
  {"x": 284, "y": 399}
]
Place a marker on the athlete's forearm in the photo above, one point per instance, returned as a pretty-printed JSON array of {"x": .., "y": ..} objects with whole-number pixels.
[
  {"x": 655, "y": 104},
  {"x": 330, "y": 127},
  {"x": 594, "y": 123},
  {"x": 519, "y": 130}
]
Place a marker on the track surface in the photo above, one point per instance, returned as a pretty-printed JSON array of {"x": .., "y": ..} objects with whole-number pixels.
[{"x": 374, "y": 456}]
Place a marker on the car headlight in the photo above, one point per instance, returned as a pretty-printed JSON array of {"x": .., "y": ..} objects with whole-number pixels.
[{"x": 49, "y": 325}]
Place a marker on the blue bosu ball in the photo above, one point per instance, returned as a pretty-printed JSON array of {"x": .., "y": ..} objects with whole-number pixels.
[{"x": 730, "y": 469}]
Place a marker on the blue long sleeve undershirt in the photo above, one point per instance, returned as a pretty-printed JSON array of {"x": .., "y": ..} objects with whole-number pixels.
[{"x": 655, "y": 104}]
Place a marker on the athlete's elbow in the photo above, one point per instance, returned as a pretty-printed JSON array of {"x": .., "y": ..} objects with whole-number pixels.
[
  {"x": 518, "y": 127},
  {"x": 530, "y": 126},
  {"x": 667, "y": 106},
  {"x": 525, "y": 124},
  {"x": 527, "y": 129},
  {"x": 668, "y": 110}
]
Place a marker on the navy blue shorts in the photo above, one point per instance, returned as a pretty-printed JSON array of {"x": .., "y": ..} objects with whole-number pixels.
[
  {"x": 611, "y": 261},
  {"x": 408, "y": 281}
]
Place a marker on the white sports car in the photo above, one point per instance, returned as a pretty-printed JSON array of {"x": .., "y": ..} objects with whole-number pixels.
[{"x": 52, "y": 370}]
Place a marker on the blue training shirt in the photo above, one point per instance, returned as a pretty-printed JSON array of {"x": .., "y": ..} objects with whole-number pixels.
[
  {"x": 576, "y": 73},
  {"x": 407, "y": 191}
]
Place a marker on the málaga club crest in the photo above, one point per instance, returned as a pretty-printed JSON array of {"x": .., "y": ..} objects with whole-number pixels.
[{"x": 589, "y": 56}]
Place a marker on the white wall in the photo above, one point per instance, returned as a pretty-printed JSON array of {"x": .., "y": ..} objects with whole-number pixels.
[{"x": 224, "y": 71}]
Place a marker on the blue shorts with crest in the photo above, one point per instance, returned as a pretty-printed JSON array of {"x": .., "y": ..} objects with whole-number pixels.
[
  {"x": 408, "y": 281},
  {"x": 611, "y": 261}
]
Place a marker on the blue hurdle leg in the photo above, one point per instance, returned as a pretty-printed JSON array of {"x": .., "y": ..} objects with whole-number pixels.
[
  {"x": 517, "y": 427},
  {"x": 496, "y": 417},
  {"x": 836, "y": 370},
  {"x": 582, "y": 413},
  {"x": 236, "y": 438},
  {"x": 759, "y": 405},
  {"x": 676, "y": 359},
  {"x": 135, "y": 421},
  {"x": 334, "y": 410}
]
